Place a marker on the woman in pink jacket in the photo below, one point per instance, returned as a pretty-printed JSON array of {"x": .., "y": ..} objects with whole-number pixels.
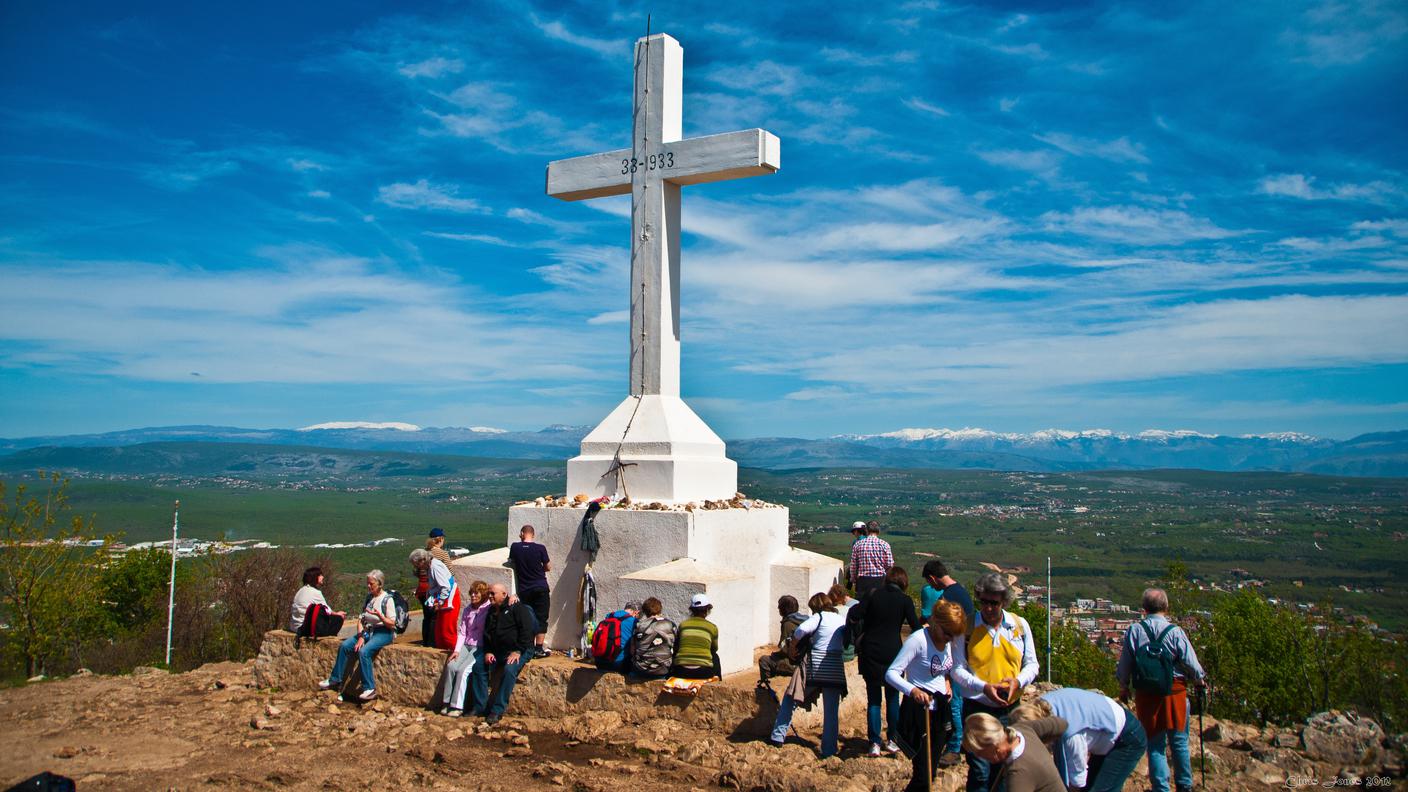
[{"x": 468, "y": 641}]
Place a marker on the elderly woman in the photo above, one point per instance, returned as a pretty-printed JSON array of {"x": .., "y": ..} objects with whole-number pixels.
[
  {"x": 442, "y": 598},
  {"x": 468, "y": 640},
  {"x": 378, "y": 628},
  {"x": 1103, "y": 741},
  {"x": 1020, "y": 750},
  {"x": 826, "y": 673},
  {"x": 877, "y": 619},
  {"x": 921, "y": 671},
  {"x": 996, "y": 659}
]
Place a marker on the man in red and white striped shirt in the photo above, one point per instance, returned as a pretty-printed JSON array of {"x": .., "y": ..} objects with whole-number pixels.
[{"x": 871, "y": 558}]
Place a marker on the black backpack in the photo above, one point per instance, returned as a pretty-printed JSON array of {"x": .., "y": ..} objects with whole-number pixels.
[
  {"x": 403, "y": 614},
  {"x": 1153, "y": 663}
]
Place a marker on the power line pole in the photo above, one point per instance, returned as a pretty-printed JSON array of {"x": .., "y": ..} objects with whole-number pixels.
[{"x": 1049, "y": 636}]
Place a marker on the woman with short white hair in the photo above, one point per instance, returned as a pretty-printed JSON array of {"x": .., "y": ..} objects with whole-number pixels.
[
  {"x": 1017, "y": 753},
  {"x": 378, "y": 628}
]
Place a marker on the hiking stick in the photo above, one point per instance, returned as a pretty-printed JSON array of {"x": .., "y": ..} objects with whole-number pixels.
[
  {"x": 928, "y": 750},
  {"x": 1202, "y": 747}
]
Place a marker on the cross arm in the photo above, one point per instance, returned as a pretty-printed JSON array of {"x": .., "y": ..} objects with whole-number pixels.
[{"x": 732, "y": 155}]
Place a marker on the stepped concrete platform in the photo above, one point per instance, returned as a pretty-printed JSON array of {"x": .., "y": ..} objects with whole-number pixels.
[{"x": 553, "y": 687}]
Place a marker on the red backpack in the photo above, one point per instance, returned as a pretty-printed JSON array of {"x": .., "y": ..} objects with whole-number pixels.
[{"x": 606, "y": 641}]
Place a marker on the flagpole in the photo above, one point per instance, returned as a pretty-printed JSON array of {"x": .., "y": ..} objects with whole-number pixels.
[
  {"x": 1048, "y": 620},
  {"x": 171, "y": 596}
]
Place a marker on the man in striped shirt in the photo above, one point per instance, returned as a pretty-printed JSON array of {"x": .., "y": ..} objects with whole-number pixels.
[{"x": 871, "y": 558}]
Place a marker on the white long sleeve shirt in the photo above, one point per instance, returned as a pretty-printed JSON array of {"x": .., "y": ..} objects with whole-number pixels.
[
  {"x": 968, "y": 683},
  {"x": 921, "y": 665},
  {"x": 1093, "y": 725}
]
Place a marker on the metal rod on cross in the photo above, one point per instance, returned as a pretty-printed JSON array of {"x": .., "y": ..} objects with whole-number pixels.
[{"x": 171, "y": 596}]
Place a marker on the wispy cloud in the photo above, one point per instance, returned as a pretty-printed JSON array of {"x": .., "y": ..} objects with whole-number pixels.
[
  {"x": 557, "y": 31},
  {"x": 1117, "y": 150},
  {"x": 432, "y": 67},
  {"x": 917, "y": 104},
  {"x": 1299, "y": 185},
  {"x": 424, "y": 195},
  {"x": 1134, "y": 225}
]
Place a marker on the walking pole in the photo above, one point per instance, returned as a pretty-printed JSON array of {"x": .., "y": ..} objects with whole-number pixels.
[
  {"x": 928, "y": 749},
  {"x": 1202, "y": 747}
]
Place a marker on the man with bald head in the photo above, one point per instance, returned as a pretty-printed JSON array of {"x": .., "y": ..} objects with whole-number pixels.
[{"x": 508, "y": 638}]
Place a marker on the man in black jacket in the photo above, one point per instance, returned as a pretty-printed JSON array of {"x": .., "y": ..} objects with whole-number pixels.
[{"x": 508, "y": 635}]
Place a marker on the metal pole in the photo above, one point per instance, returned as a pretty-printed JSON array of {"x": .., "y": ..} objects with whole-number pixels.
[
  {"x": 1048, "y": 620},
  {"x": 171, "y": 597}
]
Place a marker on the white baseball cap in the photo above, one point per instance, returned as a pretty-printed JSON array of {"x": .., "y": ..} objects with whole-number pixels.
[
  {"x": 699, "y": 601},
  {"x": 858, "y": 525}
]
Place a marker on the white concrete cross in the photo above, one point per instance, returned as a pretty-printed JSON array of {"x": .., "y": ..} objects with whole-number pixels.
[{"x": 652, "y": 170}]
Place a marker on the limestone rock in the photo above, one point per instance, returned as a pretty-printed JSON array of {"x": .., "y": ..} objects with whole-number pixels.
[
  {"x": 591, "y": 726},
  {"x": 1343, "y": 738},
  {"x": 148, "y": 671}
]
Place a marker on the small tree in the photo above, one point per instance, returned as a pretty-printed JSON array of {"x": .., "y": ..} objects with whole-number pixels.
[{"x": 47, "y": 582}]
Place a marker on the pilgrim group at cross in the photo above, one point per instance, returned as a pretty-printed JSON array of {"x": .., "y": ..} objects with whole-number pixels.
[{"x": 950, "y": 692}]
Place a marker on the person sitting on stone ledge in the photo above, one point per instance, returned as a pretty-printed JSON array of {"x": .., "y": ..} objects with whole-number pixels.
[
  {"x": 312, "y": 617},
  {"x": 697, "y": 649},
  {"x": 611, "y": 640},
  {"x": 469, "y": 640},
  {"x": 378, "y": 628},
  {"x": 779, "y": 663},
  {"x": 825, "y": 633},
  {"x": 508, "y": 642},
  {"x": 652, "y": 642}
]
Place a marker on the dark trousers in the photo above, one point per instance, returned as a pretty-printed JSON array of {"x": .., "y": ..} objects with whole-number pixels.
[
  {"x": 427, "y": 625},
  {"x": 912, "y": 719},
  {"x": 865, "y": 585},
  {"x": 776, "y": 664},
  {"x": 979, "y": 771},
  {"x": 698, "y": 672},
  {"x": 498, "y": 704},
  {"x": 1108, "y": 773}
]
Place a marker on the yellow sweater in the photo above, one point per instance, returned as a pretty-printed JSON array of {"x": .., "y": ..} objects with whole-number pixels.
[{"x": 994, "y": 663}]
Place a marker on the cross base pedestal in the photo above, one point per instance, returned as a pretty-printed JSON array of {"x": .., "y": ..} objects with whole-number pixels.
[{"x": 653, "y": 448}]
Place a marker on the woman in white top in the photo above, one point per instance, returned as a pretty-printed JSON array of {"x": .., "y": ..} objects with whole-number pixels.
[
  {"x": 325, "y": 620},
  {"x": 825, "y": 633},
  {"x": 921, "y": 673},
  {"x": 378, "y": 628}
]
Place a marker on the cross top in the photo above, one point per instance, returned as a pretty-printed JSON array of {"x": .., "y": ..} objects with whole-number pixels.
[{"x": 652, "y": 170}]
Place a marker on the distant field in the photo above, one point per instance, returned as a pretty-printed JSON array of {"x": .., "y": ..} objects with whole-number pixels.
[{"x": 1107, "y": 533}]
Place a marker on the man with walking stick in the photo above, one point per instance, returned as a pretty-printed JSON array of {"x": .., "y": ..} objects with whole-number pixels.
[{"x": 1156, "y": 661}]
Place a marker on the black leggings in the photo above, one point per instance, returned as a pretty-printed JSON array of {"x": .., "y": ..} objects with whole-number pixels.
[{"x": 698, "y": 672}]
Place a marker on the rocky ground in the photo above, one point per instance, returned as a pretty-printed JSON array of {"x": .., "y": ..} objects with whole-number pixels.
[{"x": 211, "y": 728}]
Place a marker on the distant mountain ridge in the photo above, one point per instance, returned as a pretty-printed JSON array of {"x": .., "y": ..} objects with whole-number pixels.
[{"x": 1376, "y": 454}]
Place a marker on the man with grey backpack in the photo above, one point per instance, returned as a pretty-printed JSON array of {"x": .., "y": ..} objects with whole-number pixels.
[{"x": 1156, "y": 662}]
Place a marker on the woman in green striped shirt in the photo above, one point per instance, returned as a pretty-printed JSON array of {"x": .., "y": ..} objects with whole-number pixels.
[{"x": 697, "y": 643}]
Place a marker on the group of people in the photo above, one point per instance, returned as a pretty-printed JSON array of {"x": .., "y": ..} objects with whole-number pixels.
[
  {"x": 953, "y": 689},
  {"x": 949, "y": 692}
]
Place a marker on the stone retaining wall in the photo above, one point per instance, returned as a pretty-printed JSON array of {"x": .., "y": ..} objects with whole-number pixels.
[{"x": 554, "y": 687}]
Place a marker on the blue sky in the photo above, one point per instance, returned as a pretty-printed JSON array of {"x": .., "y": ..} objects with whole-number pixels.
[{"x": 1011, "y": 215}]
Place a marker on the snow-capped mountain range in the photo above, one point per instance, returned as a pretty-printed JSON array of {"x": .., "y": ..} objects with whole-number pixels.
[{"x": 1378, "y": 454}]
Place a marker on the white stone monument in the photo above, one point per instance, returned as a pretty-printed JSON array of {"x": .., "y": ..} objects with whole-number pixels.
[{"x": 675, "y": 527}]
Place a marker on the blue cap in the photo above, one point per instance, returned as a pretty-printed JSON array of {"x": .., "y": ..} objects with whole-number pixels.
[{"x": 434, "y": 532}]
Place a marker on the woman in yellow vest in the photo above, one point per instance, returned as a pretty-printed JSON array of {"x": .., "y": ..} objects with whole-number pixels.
[{"x": 995, "y": 660}]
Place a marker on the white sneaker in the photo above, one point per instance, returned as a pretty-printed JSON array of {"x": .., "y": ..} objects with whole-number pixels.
[
  {"x": 367, "y": 695},
  {"x": 875, "y": 750},
  {"x": 326, "y": 684},
  {"x": 892, "y": 747}
]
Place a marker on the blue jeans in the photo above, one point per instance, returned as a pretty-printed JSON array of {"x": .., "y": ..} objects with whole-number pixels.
[
  {"x": 1108, "y": 772},
  {"x": 875, "y": 691},
  {"x": 1158, "y": 759},
  {"x": 955, "y": 738},
  {"x": 830, "y": 720},
  {"x": 499, "y": 703},
  {"x": 380, "y": 637}
]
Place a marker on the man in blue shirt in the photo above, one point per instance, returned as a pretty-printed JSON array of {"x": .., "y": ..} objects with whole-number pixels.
[
  {"x": 940, "y": 585},
  {"x": 626, "y": 619},
  {"x": 530, "y": 570}
]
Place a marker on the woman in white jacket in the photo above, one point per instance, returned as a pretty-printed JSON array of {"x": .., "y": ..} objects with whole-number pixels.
[{"x": 921, "y": 673}]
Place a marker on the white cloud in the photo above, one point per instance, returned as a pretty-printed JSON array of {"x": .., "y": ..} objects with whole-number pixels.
[
  {"x": 1134, "y": 225},
  {"x": 319, "y": 194},
  {"x": 558, "y": 32},
  {"x": 432, "y": 67},
  {"x": 1117, "y": 150},
  {"x": 1298, "y": 185},
  {"x": 611, "y": 317},
  {"x": 487, "y": 239},
  {"x": 763, "y": 77},
  {"x": 302, "y": 165},
  {"x": 915, "y": 103},
  {"x": 1038, "y": 161},
  {"x": 425, "y": 195}
]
